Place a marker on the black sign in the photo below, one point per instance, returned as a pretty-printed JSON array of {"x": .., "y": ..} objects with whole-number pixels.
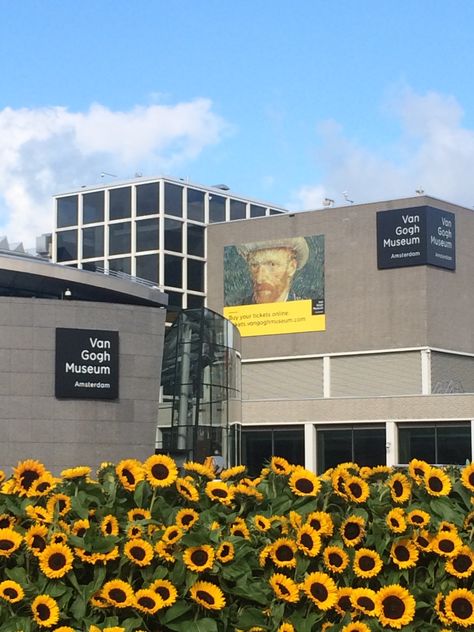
[
  {"x": 87, "y": 364},
  {"x": 416, "y": 236}
]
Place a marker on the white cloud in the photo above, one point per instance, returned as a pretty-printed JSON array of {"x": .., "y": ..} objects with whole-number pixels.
[
  {"x": 434, "y": 150},
  {"x": 50, "y": 150}
]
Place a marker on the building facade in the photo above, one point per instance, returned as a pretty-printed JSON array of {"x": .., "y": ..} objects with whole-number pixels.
[{"x": 371, "y": 356}]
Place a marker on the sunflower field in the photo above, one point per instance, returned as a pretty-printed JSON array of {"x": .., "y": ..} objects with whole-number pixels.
[{"x": 150, "y": 547}]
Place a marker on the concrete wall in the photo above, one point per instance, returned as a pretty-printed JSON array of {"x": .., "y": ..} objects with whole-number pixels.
[
  {"x": 366, "y": 308},
  {"x": 65, "y": 433}
]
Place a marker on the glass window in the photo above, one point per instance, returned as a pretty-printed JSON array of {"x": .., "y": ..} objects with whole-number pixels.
[
  {"x": 93, "y": 242},
  {"x": 275, "y": 212},
  {"x": 148, "y": 198},
  {"x": 195, "y": 275},
  {"x": 439, "y": 443},
  {"x": 67, "y": 245},
  {"x": 93, "y": 265},
  {"x": 195, "y": 240},
  {"x": 258, "y": 446},
  {"x": 147, "y": 267},
  {"x": 123, "y": 264},
  {"x": 216, "y": 208},
  {"x": 175, "y": 299},
  {"x": 93, "y": 207},
  {"x": 237, "y": 209},
  {"x": 120, "y": 201},
  {"x": 173, "y": 199},
  {"x": 173, "y": 271},
  {"x": 148, "y": 234},
  {"x": 364, "y": 446},
  {"x": 67, "y": 211},
  {"x": 119, "y": 238},
  {"x": 196, "y": 205},
  {"x": 195, "y": 301},
  {"x": 173, "y": 235},
  {"x": 257, "y": 211}
]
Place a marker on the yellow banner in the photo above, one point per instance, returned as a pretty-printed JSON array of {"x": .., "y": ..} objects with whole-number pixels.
[{"x": 264, "y": 319}]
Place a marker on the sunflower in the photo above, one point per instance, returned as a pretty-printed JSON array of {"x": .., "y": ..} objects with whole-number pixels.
[
  {"x": 338, "y": 478},
  {"x": 186, "y": 518},
  {"x": 343, "y": 600},
  {"x": 335, "y": 559},
  {"x": 440, "y": 609},
  {"x": 10, "y": 541},
  {"x": 80, "y": 527},
  {"x": 232, "y": 472},
  {"x": 64, "y": 628},
  {"x": 396, "y": 606},
  {"x": 166, "y": 590},
  {"x": 459, "y": 607},
  {"x": 462, "y": 563},
  {"x": 148, "y": 601},
  {"x": 418, "y": 518},
  {"x": 35, "y": 538},
  {"x": 42, "y": 485},
  {"x": 417, "y": 470},
  {"x": 422, "y": 540},
  {"x": 187, "y": 490},
  {"x": 302, "y": 482},
  {"x": 11, "y": 591},
  {"x": 45, "y": 611},
  {"x": 321, "y": 589},
  {"x": 352, "y": 530},
  {"x": 446, "y": 543},
  {"x": 138, "y": 514},
  {"x": 308, "y": 540},
  {"x": 284, "y": 588},
  {"x": 109, "y": 525},
  {"x": 286, "y": 626},
  {"x": 240, "y": 529},
  {"x": 7, "y": 520},
  {"x": 208, "y": 595},
  {"x": 437, "y": 482},
  {"x": 139, "y": 551},
  {"x": 118, "y": 593},
  {"x": 367, "y": 563},
  {"x": 225, "y": 552},
  {"x": 404, "y": 554},
  {"x": 199, "y": 558},
  {"x": 283, "y": 553},
  {"x": 356, "y": 626},
  {"x": 445, "y": 525},
  {"x": 165, "y": 551},
  {"x": 262, "y": 523},
  {"x": 321, "y": 522},
  {"x": 280, "y": 523},
  {"x": 365, "y": 600},
  {"x": 38, "y": 514},
  {"x": 264, "y": 554},
  {"x": 76, "y": 472},
  {"x": 199, "y": 468},
  {"x": 59, "y": 503},
  {"x": 356, "y": 489},
  {"x": 56, "y": 560},
  {"x": 467, "y": 477},
  {"x": 59, "y": 537},
  {"x": 172, "y": 534},
  {"x": 396, "y": 520},
  {"x": 130, "y": 473},
  {"x": 25, "y": 473},
  {"x": 247, "y": 491},
  {"x": 218, "y": 490},
  {"x": 279, "y": 465},
  {"x": 160, "y": 470},
  {"x": 400, "y": 488}
]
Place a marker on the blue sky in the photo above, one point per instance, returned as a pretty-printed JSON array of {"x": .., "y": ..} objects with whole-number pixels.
[{"x": 289, "y": 102}]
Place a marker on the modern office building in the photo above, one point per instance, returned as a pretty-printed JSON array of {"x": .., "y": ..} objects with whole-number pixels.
[
  {"x": 154, "y": 229},
  {"x": 370, "y": 357}
]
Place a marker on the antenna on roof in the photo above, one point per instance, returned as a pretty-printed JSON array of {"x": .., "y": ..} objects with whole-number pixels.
[
  {"x": 327, "y": 202},
  {"x": 223, "y": 187},
  {"x": 346, "y": 197},
  {"x": 104, "y": 173},
  {"x": 420, "y": 191}
]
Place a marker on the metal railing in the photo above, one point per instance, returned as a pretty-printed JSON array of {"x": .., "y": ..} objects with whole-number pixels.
[{"x": 127, "y": 277}]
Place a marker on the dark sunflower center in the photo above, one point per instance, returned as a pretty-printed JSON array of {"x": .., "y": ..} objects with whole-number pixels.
[
  {"x": 205, "y": 596},
  {"x": 57, "y": 561},
  {"x": 80, "y": 532},
  {"x": 185, "y": 520},
  {"x": 61, "y": 505},
  {"x": 6, "y": 545},
  {"x": 4, "y": 523},
  {"x": 447, "y": 546},
  {"x": 418, "y": 472},
  {"x": 417, "y": 519},
  {"x": 352, "y": 530},
  {"x": 393, "y": 607},
  {"x": 43, "y": 612},
  {"x": 402, "y": 553},
  {"x": 306, "y": 540},
  {"x": 11, "y": 593},
  {"x": 129, "y": 476},
  {"x": 366, "y": 603},
  {"x": 284, "y": 553},
  {"x": 462, "y": 608},
  {"x": 160, "y": 471},
  {"x": 163, "y": 592},
  {"x": 319, "y": 592},
  {"x": 219, "y": 493},
  {"x": 356, "y": 490},
  {"x": 283, "y": 589},
  {"x": 146, "y": 602},
  {"x": 344, "y": 603},
  {"x": 28, "y": 478},
  {"x": 366, "y": 563},
  {"x": 397, "y": 488},
  {"x": 42, "y": 487},
  {"x": 199, "y": 558},
  {"x": 462, "y": 563},
  {"x": 304, "y": 485},
  {"x": 470, "y": 478},
  {"x": 435, "y": 484},
  {"x": 335, "y": 559},
  {"x": 225, "y": 551},
  {"x": 238, "y": 532},
  {"x": 118, "y": 595},
  {"x": 394, "y": 522},
  {"x": 108, "y": 528},
  {"x": 423, "y": 542},
  {"x": 138, "y": 553},
  {"x": 315, "y": 524},
  {"x": 172, "y": 535}
]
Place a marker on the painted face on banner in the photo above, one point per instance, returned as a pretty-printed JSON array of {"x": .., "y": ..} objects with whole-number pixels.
[{"x": 272, "y": 270}]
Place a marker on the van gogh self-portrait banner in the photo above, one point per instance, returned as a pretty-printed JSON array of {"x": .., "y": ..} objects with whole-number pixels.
[{"x": 275, "y": 286}]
